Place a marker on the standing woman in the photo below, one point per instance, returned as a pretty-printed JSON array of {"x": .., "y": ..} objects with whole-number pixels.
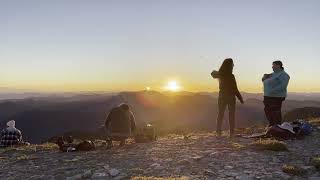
[
  {"x": 227, "y": 94},
  {"x": 275, "y": 92}
]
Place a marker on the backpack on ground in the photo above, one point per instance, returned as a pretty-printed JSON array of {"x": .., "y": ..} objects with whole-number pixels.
[
  {"x": 66, "y": 145},
  {"x": 281, "y": 133},
  {"x": 146, "y": 134}
]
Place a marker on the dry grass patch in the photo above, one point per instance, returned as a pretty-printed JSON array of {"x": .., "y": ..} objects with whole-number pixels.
[
  {"x": 38, "y": 147},
  {"x": 25, "y": 157},
  {"x": 30, "y": 148},
  {"x": 238, "y": 146},
  {"x": 294, "y": 170},
  {"x": 269, "y": 144},
  {"x": 315, "y": 121},
  {"x": 251, "y": 130},
  {"x": 316, "y": 162}
]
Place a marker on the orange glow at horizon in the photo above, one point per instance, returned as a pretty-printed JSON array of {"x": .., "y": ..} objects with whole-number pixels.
[{"x": 207, "y": 85}]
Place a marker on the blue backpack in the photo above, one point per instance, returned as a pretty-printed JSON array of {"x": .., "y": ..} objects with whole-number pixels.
[{"x": 306, "y": 128}]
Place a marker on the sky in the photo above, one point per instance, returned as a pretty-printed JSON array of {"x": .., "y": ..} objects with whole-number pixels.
[{"x": 106, "y": 45}]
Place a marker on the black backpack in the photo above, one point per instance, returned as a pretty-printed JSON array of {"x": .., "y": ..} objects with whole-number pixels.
[{"x": 147, "y": 134}]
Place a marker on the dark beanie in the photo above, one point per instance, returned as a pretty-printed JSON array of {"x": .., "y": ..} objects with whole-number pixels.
[
  {"x": 279, "y": 63},
  {"x": 124, "y": 106}
]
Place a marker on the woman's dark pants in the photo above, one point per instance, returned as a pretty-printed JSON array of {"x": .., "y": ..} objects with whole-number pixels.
[
  {"x": 223, "y": 102},
  {"x": 272, "y": 109}
]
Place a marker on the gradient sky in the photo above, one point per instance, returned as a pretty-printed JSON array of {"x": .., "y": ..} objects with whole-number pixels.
[{"x": 103, "y": 45}]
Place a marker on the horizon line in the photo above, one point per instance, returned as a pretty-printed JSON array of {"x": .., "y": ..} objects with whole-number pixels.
[{"x": 16, "y": 90}]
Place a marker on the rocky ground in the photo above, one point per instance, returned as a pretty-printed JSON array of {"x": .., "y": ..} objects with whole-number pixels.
[{"x": 199, "y": 156}]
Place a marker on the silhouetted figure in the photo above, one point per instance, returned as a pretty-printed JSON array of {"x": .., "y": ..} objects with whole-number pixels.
[
  {"x": 275, "y": 92},
  {"x": 11, "y": 135},
  {"x": 120, "y": 124},
  {"x": 227, "y": 94}
]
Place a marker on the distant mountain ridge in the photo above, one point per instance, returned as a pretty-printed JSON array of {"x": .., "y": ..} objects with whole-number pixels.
[
  {"x": 7, "y": 93},
  {"x": 303, "y": 113}
]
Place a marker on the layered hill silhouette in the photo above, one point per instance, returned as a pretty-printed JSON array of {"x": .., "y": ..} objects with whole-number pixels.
[
  {"x": 303, "y": 113},
  {"x": 43, "y": 118}
]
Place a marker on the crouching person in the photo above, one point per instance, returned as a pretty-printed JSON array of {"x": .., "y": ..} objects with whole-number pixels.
[
  {"x": 120, "y": 124},
  {"x": 10, "y": 136}
]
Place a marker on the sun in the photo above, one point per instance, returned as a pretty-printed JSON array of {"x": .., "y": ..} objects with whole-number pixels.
[{"x": 173, "y": 86}]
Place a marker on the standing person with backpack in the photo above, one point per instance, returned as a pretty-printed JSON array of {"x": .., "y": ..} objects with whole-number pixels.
[
  {"x": 227, "y": 94},
  {"x": 275, "y": 92}
]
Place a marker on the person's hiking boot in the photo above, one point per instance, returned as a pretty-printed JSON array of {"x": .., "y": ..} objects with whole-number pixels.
[
  {"x": 219, "y": 134},
  {"x": 231, "y": 135},
  {"x": 122, "y": 143},
  {"x": 109, "y": 144}
]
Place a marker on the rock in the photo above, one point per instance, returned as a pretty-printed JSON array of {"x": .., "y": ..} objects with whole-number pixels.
[
  {"x": 37, "y": 177},
  {"x": 242, "y": 177},
  {"x": 282, "y": 175},
  {"x": 314, "y": 178},
  {"x": 99, "y": 175},
  {"x": 106, "y": 167},
  {"x": 197, "y": 158},
  {"x": 210, "y": 173},
  {"x": 178, "y": 170},
  {"x": 225, "y": 151},
  {"x": 70, "y": 168},
  {"x": 308, "y": 168},
  {"x": 220, "y": 171},
  {"x": 157, "y": 166},
  {"x": 215, "y": 154},
  {"x": 114, "y": 172},
  {"x": 228, "y": 167},
  {"x": 87, "y": 174},
  {"x": 168, "y": 160},
  {"x": 184, "y": 162},
  {"x": 76, "y": 177},
  {"x": 276, "y": 160},
  {"x": 207, "y": 152},
  {"x": 235, "y": 155},
  {"x": 100, "y": 164},
  {"x": 231, "y": 174},
  {"x": 299, "y": 163},
  {"x": 137, "y": 171},
  {"x": 50, "y": 177},
  {"x": 121, "y": 176}
]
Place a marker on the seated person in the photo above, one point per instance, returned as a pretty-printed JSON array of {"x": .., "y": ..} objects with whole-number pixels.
[
  {"x": 120, "y": 124},
  {"x": 10, "y": 136}
]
